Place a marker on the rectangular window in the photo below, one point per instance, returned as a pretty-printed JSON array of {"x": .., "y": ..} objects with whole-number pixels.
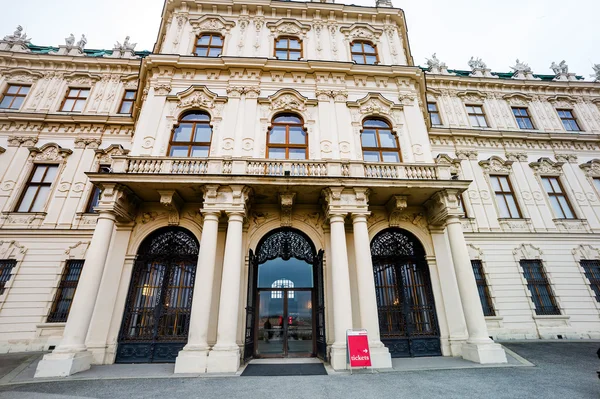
[
  {"x": 127, "y": 102},
  {"x": 505, "y": 197},
  {"x": 95, "y": 197},
  {"x": 14, "y": 96},
  {"x": 482, "y": 287},
  {"x": 66, "y": 292},
  {"x": 434, "y": 114},
  {"x": 541, "y": 292},
  {"x": 523, "y": 118},
  {"x": 38, "y": 188},
  {"x": 477, "y": 116},
  {"x": 559, "y": 201},
  {"x": 461, "y": 205},
  {"x": 597, "y": 183},
  {"x": 75, "y": 100},
  {"x": 568, "y": 119},
  {"x": 592, "y": 272},
  {"x": 6, "y": 266}
]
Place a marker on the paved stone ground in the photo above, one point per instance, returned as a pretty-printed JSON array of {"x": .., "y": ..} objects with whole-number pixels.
[{"x": 563, "y": 370}]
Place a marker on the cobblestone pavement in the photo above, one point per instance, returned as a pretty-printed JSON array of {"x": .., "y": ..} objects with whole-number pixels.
[{"x": 562, "y": 370}]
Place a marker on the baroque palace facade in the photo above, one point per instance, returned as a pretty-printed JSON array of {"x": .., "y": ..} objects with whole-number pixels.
[{"x": 276, "y": 173}]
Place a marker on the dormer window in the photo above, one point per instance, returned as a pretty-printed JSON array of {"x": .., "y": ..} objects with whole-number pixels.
[
  {"x": 379, "y": 143},
  {"x": 364, "y": 52},
  {"x": 192, "y": 136},
  {"x": 209, "y": 45},
  {"x": 288, "y": 48}
]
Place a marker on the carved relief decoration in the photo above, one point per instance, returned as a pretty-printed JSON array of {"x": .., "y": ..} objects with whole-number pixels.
[
  {"x": 49, "y": 152},
  {"x": 518, "y": 99},
  {"x": 288, "y": 26},
  {"x": 547, "y": 166},
  {"x": 82, "y": 78},
  {"x": 474, "y": 252},
  {"x": 78, "y": 250},
  {"x": 87, "y": 142},
  {"x": 472, "y": 96},
  {"x": 591, "y": 168},
  {"x": 496, "y": 165},
  {"x": 104, "y": 157},
  {"x": 211, "y": 23},
  {"x": 171, "y": 200},
  {"x": 527, "y": 251},
  {"x": 445, "y": 159},
  {"x": 287, "y": 100},
  {"x": 21, "y": 75},
  {"x": 376, "y": 105},
  {"x": 467, "y": 154},
  {"x": 517, "y": 156},
  {"x": 585, "y": 252},
  {"x": 287, "y": 202},
  {"x": 25, "y": 141},
  {"x": 198, "y": 97},
  {"x": 12, "y": 250},
  {"x": 562, "y": 101},
  {"x": 361, "y": 31},
  {"x": 570, "y": 158}
]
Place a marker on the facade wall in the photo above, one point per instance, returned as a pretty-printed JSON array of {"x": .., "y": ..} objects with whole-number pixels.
[{"x": 242, "y": 91}]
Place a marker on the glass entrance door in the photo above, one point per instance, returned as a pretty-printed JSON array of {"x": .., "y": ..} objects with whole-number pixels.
[{"x": 285, "y": 323}]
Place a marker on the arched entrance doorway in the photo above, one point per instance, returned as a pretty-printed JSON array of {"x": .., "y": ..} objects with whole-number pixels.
[
  {"x": 157, "y": 312},
  {"x": 285, "y": 316},
  {"x": 407, "y": 320}
]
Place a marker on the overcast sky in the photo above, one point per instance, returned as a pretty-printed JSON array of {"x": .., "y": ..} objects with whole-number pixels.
[{"x": 535, "y": 31}]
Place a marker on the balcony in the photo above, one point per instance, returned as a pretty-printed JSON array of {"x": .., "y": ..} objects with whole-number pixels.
[{"x": 268, "y": 167}]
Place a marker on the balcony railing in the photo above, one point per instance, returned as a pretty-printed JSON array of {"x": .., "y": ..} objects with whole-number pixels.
[{"x": 271, "y": 167}]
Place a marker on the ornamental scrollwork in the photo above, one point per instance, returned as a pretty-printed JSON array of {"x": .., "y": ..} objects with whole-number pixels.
[
  {"x": 285, "y": 244},
  {"x": 395, "y": 243}
]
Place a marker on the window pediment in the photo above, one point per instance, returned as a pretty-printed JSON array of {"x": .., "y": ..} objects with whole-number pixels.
[
  {"x": 591, "y": 168},
  {"x": 518, "y": 99},
  {"x": 374, "y": 104},
  {"x": 547, "y": 166},
  {"x": 82, "y": 78},
  {"x": 496, "y": 165},
  {"x": 196, "y": 97},
  {"x": 472, "y": 96},
  {"x": 287, "y": 100},
  {"x": 288, "y": 27},
  {"x": 21, "y": 75},
  {"x": 211, "y": 23},
  {"x": 527, "y": 251},
  {"x": 49, "y": 152},
  {"x": 586, "y": 252},
  {"x": 105, "y": 156},
  {"x": 360, "y": 31},
  {"x": 562, "y": 101}
]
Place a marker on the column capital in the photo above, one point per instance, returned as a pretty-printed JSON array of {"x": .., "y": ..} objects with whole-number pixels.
[
  {"x": 344, "y": 200},
  {"x": 210, "y": 214},
  {"x": 118, "y": 200},
  {"x": 226, "y": 198},
  {"x": 443, "y": 205},
  {"x": 359, "y": 217},
  {"x": 235, "y": 216}
]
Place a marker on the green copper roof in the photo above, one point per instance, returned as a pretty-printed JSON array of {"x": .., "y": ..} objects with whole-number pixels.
[{"x": 88, "y": 52}]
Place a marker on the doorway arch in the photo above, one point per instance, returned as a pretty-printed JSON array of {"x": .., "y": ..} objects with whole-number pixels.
[
  {"x": 157, "y": 310},
  {"x": 405, "y": 304},
  {"x": 285, "y": 315}
]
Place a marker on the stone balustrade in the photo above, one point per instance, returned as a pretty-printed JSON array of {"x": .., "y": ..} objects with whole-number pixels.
[{"x": 272, "y": 167}]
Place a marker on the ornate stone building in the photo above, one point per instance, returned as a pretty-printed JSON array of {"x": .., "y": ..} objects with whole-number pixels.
[{"x": 275, "y": 173}]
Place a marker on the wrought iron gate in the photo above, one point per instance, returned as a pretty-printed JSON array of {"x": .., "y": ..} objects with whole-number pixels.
[
  {"x": 157, "y": 312},
  {"x": 406, "y": 308}
]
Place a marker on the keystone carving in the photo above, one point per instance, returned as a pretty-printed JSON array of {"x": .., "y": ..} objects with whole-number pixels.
[{"x": 171, "y": 200}]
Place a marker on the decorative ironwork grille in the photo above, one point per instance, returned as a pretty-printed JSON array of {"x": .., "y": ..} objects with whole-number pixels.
[
  {"x": 156, "y": 321},
  {"x": 405, "y": 304},
  {"x": 482, "y": 287},
  {"x": 537, "y": 283},
  {"x": 6, "y": 266},
  {"x": 66, "y": 291},
  {"x": 592, "y": 272}
]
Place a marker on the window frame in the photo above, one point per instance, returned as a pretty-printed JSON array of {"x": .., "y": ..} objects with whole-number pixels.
[
  {"x": 76, "y": 99},
  {"x": 6, "y": 268},
  {"x": 125, "y": 100},
  {"x": 437, "y": 112},
  {"x": 363, "y": 54},
  {"x": 287, "y": 144},
  {"x": 15, "y": 95},
  {"x": 483, "y": 288},
  {"x": 191, "y": 144},
  {"x": 573, "y": 118},
  {"x": 54, "y": 316},
  {"x": 379, "y": 148},
  {"x": 288, "y": 49},
  {"x": 28, "y": 183},
  {"x": 543, "y": 281},
  {"x": 209, "y": 46},
  {"x": 562, "y": 193},
  {"x": 504, "y": 193},
  {"x": 95, "y": 192},
  {"x": 481, "y": 106},
  {"x": 527, "y": 116},
  {"x": 592, "y": 278}
]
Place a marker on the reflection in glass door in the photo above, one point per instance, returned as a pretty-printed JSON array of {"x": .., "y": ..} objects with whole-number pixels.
[{"x": 270, "y": 324}]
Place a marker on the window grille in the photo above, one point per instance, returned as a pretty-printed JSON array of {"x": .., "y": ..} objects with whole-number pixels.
[
  {"x": 541, "y": 292},
  {"x": 482, "y": 287},
  {"x": 6, "y": 266},
  {"x": 66, "y": 291},
  {"x": 592, "y": 272}
]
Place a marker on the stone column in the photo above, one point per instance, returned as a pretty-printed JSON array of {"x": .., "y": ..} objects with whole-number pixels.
[
  {"x": 225, "y": 355},
  {"x": 193, "y": 357},
  {"x": 342, "y": 308},
  {"x": 479, "y": 347},
  {"x": 369, "y": 319},
  {"x": 71, "y": 356}
]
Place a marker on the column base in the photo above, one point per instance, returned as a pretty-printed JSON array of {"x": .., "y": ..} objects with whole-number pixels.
[
  {"x": 338, "y": 358},
  {"x": 380, "y": 357},
  {"x": 192, "y": 362},
  {"x": 223, "y": 361},
  {"x": 63, "y": 364},
  {"x": 484, "y": 353}
]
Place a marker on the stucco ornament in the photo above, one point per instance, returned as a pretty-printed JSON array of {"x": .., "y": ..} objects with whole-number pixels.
[
  {"x": 479, "y": 68},
  {"x": 361, "y": 31},
  {"x": 211, "y": 23},
  {"x": 49, "y": 152},
  {"x": 596, "y": 74},
  {"x": 522, "y": 71},
  {"x": 561, "y": 68},
  {"x": 374, "y": 104},
  {"x": 288, "y": 100},
  {"x": 477, "y": 63},
  {"x": 496, "y": 164},
  {"x": 197, "y": 97},
  {"x": 591, "y": 168},
  {"x": 546, "y": 166},
  {"x": 17, "y": 36},
  {"x": 288, "y": 27},
  {"x": 18, "y": 41},
  {"x": 435, "y": 66}
]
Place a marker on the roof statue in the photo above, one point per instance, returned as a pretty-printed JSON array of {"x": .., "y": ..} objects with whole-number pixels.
[
  {"x": 124, "y": 50},
  {"x": 17, "y": 36},
  {"x": 560, "y": 68},
  {"x": 436, "y": 66},
  {"x": 70, "y": 41},
  {"x": 126, "y": 45},
  {"x": 522, "y": 71},
  {"x": 476, "y": 63},
  {"x": 82, "y": 42},
  {"x": 596, "y": 74}
]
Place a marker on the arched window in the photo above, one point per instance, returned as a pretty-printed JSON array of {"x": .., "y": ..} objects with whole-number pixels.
[
  {"x": 379, "y": 143},
  {"x": 364, "y": 52},
  {"x": 192, "y": 136},
  {"x": 209, "y": 45},
  {"x": 282, "y": 283},
  {"x": 287, "y": 138},
  {"x": 288, "y": 48}
]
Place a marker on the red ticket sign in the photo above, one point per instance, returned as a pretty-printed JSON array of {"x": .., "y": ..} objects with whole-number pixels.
[{"x": 358, "y": 349}]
